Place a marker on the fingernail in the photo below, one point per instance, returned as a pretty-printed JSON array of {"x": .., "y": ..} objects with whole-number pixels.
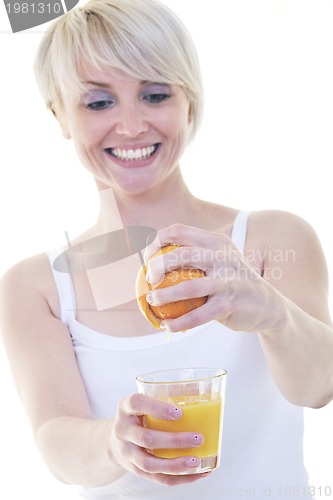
[
  {"x": 148, "y": 277},
  {"x": 162, "y": 325},
  {"x": 197, "y": 439},
  {"x": 149, "y": 298},
  {"x": 192, "y": 462},
  {"x": 176, "y": 412}
]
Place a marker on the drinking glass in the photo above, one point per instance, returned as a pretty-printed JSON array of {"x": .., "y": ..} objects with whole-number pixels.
[{"x": 200, "y": 393}]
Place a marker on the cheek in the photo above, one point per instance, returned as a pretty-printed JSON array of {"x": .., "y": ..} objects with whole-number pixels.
[
  {"x": 83, "y": 128},
  {"x": 176, "y": 124},
  {"x": 84, "y": 140},
  {"x": 182, "y": 130},
  {"x": 86, "y": 133}
]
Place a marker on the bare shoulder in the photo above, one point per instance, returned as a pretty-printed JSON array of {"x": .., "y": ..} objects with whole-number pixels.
[
  {"x": 283, "y": 235},
  {"x": 29, "y": 278},
  {"x": 292, "y": 259},
  {"x": 269, "y": 226}
]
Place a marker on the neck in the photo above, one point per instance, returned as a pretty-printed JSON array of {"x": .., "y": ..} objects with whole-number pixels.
[{"x": 160, "y": 207}]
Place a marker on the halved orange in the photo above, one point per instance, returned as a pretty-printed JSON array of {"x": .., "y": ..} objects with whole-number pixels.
[{"x": 155, "y": 314}]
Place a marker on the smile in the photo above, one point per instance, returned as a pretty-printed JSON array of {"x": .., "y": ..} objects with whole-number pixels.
[{"x": 133, "y": 154}]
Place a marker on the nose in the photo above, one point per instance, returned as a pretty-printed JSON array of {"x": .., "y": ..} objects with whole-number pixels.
[{"x": 131, "y": 120}]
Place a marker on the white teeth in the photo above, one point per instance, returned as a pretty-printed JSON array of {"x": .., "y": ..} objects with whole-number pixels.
[{"x": 134, "y": 154}]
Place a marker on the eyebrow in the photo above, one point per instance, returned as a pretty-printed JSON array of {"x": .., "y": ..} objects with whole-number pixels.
[
  {"x": 97, "y": 84},
  {"x": 107, "y": 85}
]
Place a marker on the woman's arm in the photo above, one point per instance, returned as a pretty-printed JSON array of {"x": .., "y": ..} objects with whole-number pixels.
[
  {"x": 298, "y": 343},
  {"x": 47, "y": 378},
  {"x": 278, "y": 290},
  {"x": 76, "y": 448}
]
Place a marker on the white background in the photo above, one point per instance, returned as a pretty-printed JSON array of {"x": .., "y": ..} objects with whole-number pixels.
[{"x": 266, "y": 141}]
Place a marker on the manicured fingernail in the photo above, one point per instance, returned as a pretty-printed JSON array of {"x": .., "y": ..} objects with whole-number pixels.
[
  {"x": 192, "y": 462},
  {"x": 149, "y": 298},
  {"x": 197, "y": 439},
  {"x": 176, "y": 412}
]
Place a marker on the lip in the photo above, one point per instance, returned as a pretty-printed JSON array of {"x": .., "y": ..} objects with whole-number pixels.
[
  {"x": 134, "y": 145},
  {"x": 133, "y": 163}
]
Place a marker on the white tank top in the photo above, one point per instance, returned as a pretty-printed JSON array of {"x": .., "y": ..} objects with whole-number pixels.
[{"x": 262, "y": 448}]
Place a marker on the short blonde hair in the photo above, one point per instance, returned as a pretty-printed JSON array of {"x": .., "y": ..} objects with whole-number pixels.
[{"x": 141, "y": 37}]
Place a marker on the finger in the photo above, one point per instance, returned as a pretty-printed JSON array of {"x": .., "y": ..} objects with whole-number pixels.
[
  {"x": 147, "y": 462},
  {"x": 153, "y": 439},
  {"x": 189, "y": 289},
  {"x": 226, "y": 256},
  {"x": 208, "y": 312},
  {"x": 179, "y": 258},
  {"x": 183, "y": 235},
  {"x": 171, "y": 478},
  {"x": 140, "y": 404},
  {"x": 156, "y": 272}
]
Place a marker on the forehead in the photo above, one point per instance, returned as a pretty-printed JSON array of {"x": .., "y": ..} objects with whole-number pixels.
[{"x": 106, "y": 77}]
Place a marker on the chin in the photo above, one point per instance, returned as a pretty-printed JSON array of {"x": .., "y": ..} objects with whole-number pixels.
[{"x": 134, "y": 188}]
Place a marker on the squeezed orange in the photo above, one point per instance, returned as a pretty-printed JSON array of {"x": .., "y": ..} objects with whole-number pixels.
[{"x": 201, "y": 415}]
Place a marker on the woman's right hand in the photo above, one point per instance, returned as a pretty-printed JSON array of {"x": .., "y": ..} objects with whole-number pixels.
[{"x": 130, "y": 441}]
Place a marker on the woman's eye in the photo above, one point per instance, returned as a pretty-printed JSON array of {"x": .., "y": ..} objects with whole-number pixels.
[
  {"x": 156, "y": 98},
  {"x": 100, "y": 105}
]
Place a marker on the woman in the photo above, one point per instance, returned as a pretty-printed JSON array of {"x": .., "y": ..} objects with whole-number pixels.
[{"x": 122, "y": 79}]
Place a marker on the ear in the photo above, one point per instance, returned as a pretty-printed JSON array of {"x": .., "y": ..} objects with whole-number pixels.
[
  {"x": 190, "y": 114},
  {"x": 60, "y": 117}
]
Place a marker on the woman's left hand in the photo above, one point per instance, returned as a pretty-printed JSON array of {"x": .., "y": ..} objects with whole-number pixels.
[{"x": 238, "y": 296}]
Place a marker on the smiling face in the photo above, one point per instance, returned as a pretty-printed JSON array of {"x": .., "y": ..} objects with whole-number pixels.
[{"x": 130, "y": 134}]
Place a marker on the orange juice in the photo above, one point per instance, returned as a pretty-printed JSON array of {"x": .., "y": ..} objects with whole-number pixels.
[{"x": 200, "y": 414}]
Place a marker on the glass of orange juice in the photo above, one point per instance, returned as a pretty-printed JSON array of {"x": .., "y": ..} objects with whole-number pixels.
[{"x": 200, "y": 393}]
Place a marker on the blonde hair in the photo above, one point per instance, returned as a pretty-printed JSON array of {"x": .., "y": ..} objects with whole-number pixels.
[{"x": 144, "y": 38}]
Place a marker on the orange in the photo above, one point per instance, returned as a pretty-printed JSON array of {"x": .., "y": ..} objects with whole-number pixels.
[{"x": 155, "y": 314}]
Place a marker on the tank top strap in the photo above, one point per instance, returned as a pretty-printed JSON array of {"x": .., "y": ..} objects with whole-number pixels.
[
  {"x": 239, "y": 230},
  {"x": 63, "y": 281}
]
